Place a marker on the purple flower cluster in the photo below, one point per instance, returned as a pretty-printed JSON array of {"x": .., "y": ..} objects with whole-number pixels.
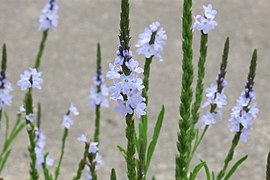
[
  {"x": 49, "y": 18},
  {"x": 99, "y": 96},
  {"x": 151, "y": 41},
  {"x": 127, "y": 88},
  {"x": 93, "y": 151},
  {"x": 39, "y": 150},
  {"x": 5, "y": 91},
  {"x": 30, "y": 79},
  {"x": 216, "y": 99},
  {"x": 243, "y": 114}
]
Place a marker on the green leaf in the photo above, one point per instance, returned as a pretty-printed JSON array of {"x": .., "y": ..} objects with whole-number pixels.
[
  {"x": 195, "y": 171},
  {"x": 207, "y": 172},
  {"x": 235, "y": 166},
  {"x": 123, "y": 151},
  {"x": 4, "y": 160},
  {"x": 113, "y": 174},
  {"x": 153, "y": 143}
]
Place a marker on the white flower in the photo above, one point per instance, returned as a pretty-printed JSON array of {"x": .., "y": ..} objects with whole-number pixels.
[
  {"x": 220, "y": 100},
  {"x": 99, "y": 162},
  {"x": 99, "y": 98},
  {"x": 148, "y": 48},
  {"x": 22, "y": 109},
  {"x": 87, "y": 174},
  {"x": 207, "y": 120},
  {"x": 5, "y": 94},
  {"x": 93, "y": 147},
  {"x": 82, "y": 138},
  {"x": 67, "y": 122},
  {"x": 30, "y": 117},
  {"x": 205, "y": 23},
  {"x": 49, "y": 18},
  {"x": 209, "y": 12},
  {"x": 30, "y": 79},
  {"x": 49, "y": 161},
  {"x": 73, "y": 110}
]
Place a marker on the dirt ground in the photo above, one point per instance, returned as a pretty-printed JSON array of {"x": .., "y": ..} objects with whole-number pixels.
[{"x": 68, "y": 66}]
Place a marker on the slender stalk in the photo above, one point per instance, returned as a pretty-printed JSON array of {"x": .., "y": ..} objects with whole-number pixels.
[
  {"x": 185, "y": 123},
  {"x": 113, "y": 174},
  {"x": 141, "y": 165},
  {"x": 230, "y": 154},
  {"x": 64, "y": 138},
  {"x": 99, "y": 73},
  {"x": 28, "y": 103},
  {"x": 41, "y": 49},
  {"x": 146, "y": 75},
  {"x": 199, "y": 87},
  {"x": 82, "y": 163},
  {"x": 130, "y": 135}
]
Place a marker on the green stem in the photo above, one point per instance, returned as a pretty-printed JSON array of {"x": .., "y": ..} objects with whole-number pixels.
[
  {"x": 64, "y": 138},
  {"x": 141, "y": 166},
  {"x": 28, "y": 103},
  {"x": 230, "y": 154},
  {"x": 82, "y": 163},
  {"x": 197, "y": 143},
  {"x": 130, "y": 135},
  {"x": 146, "y": 75},
  {"x": 41, "y": 49},
  {"x": 97, "y": 124}
]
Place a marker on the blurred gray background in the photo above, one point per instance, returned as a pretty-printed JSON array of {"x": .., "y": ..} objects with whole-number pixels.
[{"x": 68, "y": 66}]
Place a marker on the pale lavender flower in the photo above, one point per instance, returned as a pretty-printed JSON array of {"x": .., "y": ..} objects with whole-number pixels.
[
  {"x": 207, "y": 120},
  {"x": 39, "y": 150},
  {"x": 30, "y": 117},
  {"x": 5, "y": 93},
  {"x": 67, "y": 121},
  {"x": 93, "y": 148},
  {"x": 82, "y": 138},
  {"x": 209, "y": 12},
  {"x": 243, "y": 114},
  {"x": 87, "y": 174},
  {"x": 73, "y": 110},
  {"x": 152, "y": 41},
  {"x": 99, "y": 162},
  {"x": 49, "y": 17},
  {"x": 99, "y": 98},
  {"x": 206, "y": 23},
  {"x": 30, "y": 79}
]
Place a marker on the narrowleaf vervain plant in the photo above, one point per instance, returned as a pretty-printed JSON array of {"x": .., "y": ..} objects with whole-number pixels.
[{"x": 130, "y": 93}]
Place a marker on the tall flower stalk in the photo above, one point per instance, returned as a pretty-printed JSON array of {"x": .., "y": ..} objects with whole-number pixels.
[
  {"x": 185, "y": 123},
  {"x": 241, "y": 117}
]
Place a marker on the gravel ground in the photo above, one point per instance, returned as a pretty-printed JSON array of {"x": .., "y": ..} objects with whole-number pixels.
[{"x": 69, "y": 65}]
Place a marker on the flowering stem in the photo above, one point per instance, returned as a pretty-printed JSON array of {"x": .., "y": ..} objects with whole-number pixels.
[
  {"x": 28, "y": 101},
  {"x": 230, "y": 154},
  {"x": 97, "y": 121},
  {"x": 64, "y": 138},
  {"x": 268, "y": 167},
  {"x": 82, "y": 163},
  {"x": 197, "y": 143},
  {"x": 41, "y": 49},
  {"x": 130, "y": 135},
  {"x": 3, "y": 70},
  {"x": 93, "y": 172},
  {"x": 113, "y": 174},
  {"x": 185, "y": 124},
  {"x": 141, "y": 166}
]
